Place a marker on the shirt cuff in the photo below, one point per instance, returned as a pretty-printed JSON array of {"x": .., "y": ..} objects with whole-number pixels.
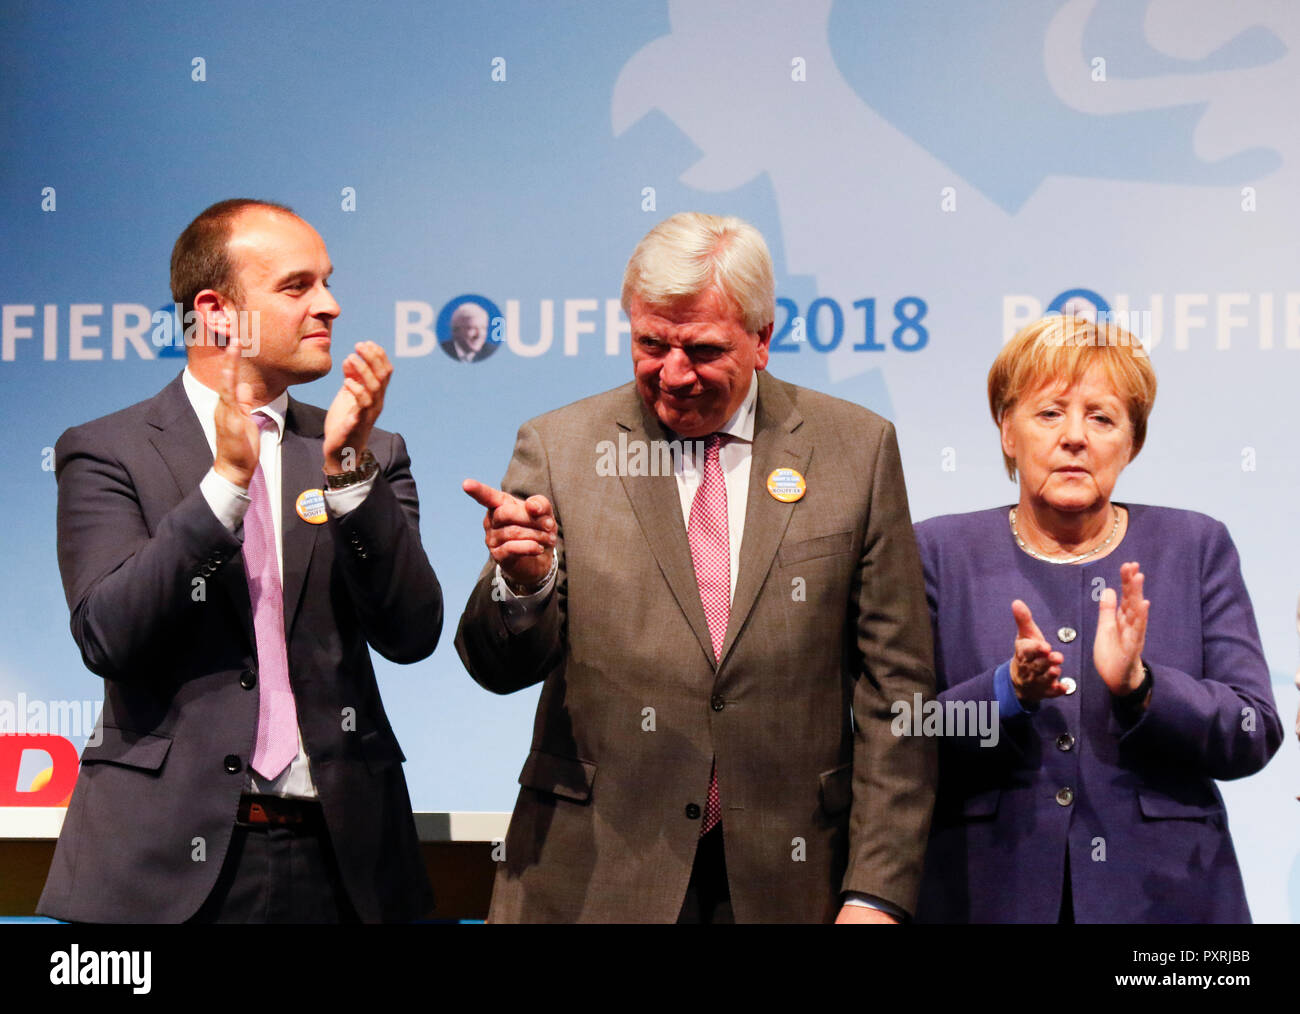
[
  {"x": 1009, "y": 705},
  {"x": 344, "y": 501},
  {"x": 859, "y": 900},
  {"x": 228, "y": 502},
  {"x": 522, "y": 611}
]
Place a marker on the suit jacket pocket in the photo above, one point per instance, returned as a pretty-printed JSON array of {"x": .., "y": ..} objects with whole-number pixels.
[
  {"x": 1192, "y": 806},
  {"x": 809, "y": 549},
  {"x": 565, "y": 777},
  {"x": 380, "y": 750},
  {"x": 127, "y": 748},
  {"x": 837, "y": 789}
]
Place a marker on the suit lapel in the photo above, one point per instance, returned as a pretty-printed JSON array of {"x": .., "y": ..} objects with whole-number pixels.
[
  {"x": 777, "y": 444},
  {"x": 658, "y": 510},
  {"x": 178, "y": 437},
  {"x": 300, "y": 469}
]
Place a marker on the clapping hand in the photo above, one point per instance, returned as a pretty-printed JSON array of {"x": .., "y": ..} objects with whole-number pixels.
[
  {"x": 355, "y": 408},
  {"x": 1122, "y": 633},
  {"x": 1035, "y": 667},
  {"x": 238, "y": 440}
]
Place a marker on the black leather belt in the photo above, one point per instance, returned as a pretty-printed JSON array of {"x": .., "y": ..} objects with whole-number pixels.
[{"x": 261, "y": 811}]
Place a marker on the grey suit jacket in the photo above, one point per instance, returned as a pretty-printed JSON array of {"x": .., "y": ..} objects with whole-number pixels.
[
  {"x": 828, "y": 626},
  {"x": 160, "y": 609}
]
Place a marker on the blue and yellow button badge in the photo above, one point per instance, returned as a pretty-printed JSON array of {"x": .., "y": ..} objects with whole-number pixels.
[
  {"x": 786, "y": 485},
  {"x": 311, "y": 506}
]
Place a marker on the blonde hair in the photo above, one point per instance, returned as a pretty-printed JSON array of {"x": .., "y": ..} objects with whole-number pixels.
[
  {"x": 1060, "y": 350},
  {"x": 692, "y": 252}
]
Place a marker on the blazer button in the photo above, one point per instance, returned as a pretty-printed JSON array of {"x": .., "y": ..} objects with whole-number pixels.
[
  {"x": 1070, "y": 685},
  {"x": 717, "y": 703},
  {"x": 233, "y": 765},
  {"x": 1065, "y": 741},
  {"x": 1065, "y": 796},
  {"x": 248, "y": 679},
  {"x": 1067, "y": 634},
  {"x": 692, "y": 812}
]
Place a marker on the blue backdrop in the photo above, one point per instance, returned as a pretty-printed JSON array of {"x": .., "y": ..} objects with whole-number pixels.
[{"x": 928, "y": 175}]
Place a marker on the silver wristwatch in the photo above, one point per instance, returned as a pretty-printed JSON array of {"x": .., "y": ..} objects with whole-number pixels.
[{"x": 368, "y": 467}]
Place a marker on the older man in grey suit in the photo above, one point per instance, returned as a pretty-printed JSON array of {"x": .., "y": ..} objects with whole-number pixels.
[{"x": 714, "y": 577}]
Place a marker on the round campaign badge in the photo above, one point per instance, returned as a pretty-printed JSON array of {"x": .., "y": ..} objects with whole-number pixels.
[
  {"x": 311, "y": 506},
  {"x": 786, "y": 485}
]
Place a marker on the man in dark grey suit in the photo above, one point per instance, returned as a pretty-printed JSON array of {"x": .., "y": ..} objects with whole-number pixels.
[
  {"x": 713, "y": 575},
  {"x": 227, "y": 554}
]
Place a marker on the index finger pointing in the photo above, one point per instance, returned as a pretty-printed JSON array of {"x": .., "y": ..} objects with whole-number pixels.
[{"x": 489, "y": 496}]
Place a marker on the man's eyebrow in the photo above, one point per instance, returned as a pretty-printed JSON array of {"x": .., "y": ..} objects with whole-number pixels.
[
  {"x": 302, "y": 274},
  {"x": 704, "y": 343}
]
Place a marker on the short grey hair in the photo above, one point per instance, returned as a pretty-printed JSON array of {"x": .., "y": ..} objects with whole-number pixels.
[{"x": 691, "y": 253}]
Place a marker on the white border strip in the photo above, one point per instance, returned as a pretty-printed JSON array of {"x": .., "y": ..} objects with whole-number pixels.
[{"x": 38, "y": 823}]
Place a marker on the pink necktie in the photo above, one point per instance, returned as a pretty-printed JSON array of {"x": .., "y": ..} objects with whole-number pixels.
[
  {"x": 277, "y": 719},
  {"x": 711, "y": 553}
]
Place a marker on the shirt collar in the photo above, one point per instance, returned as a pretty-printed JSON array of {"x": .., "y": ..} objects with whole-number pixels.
[
  {"x": 741, "y": 424},
  {"x": 204, "y": 399}
]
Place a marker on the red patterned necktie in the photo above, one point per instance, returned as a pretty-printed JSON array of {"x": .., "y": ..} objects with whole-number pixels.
[
  {"x": 711, "y": 553},
  {"x": 277, "y": 718}
]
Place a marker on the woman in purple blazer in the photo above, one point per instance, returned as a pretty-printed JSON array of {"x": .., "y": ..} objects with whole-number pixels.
[{"x": 1098, "y": 666}]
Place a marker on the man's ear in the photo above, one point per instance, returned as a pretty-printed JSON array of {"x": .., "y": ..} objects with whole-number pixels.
[
  {"x": 764, "y": 347},
  {"x": 216, "y": 312}
]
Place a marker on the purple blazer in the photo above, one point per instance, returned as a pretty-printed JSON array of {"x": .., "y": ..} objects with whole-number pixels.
[{"x": 1132, "y": 803}]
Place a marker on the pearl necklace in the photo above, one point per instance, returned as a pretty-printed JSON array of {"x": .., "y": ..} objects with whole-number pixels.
[{"x": 1071, "y": 559}]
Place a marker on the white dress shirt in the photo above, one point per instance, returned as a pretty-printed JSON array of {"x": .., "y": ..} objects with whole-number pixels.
[{"x": 230, "y": 503}]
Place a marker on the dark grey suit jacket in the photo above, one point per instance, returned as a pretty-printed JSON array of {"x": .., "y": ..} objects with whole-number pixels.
[
  {"x": 160, "y": 610},
  {"x": 828, "y": 625}
]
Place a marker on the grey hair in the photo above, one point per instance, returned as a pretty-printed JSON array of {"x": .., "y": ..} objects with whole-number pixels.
[{"x": 692, "y": 252}]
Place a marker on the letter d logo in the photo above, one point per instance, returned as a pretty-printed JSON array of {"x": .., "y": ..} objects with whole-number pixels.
[{"x": 62, "y": 754}]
